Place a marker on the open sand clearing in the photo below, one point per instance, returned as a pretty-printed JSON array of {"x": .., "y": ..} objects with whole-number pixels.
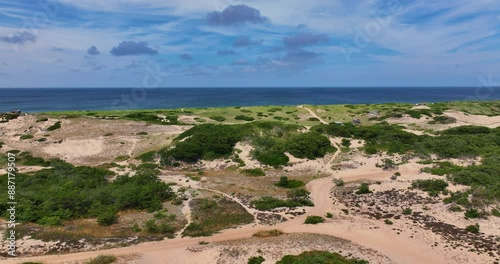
[{"x": 76, "y": 148}]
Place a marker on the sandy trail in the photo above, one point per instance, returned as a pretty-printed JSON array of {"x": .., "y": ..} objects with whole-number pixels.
[{"x": 313, "y": 114}]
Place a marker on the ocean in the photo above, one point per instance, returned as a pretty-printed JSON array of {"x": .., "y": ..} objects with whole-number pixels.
[{"x": 62, "y": 99}]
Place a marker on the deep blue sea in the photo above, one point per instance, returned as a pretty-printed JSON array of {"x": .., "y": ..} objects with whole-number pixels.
[{"x": 59, "y": 99}]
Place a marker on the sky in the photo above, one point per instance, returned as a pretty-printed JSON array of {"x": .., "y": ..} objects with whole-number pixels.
[{"x": 249, "y": 43}]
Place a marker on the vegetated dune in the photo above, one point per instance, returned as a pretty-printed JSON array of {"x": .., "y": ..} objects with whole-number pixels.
[{"x": 392, "y": 223}]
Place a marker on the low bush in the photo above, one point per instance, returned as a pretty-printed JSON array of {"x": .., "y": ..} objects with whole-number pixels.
[
  {"x": 244, "y": 118},
  {"x": 319, "y": 257},
  {"x": 472, "y": 213},
  {"x": 55, "y": 126},
  {"x": 314, "y": 219},
  {"x": 346, "y": 142},
  {"x": 433, "y": 186},
  {"x": 284, "y": 182},
  {"x": 102, "y": 259},
  {"x": 268, "y": 233},
  {"x": 472, "y": 228},
  {"x": 256, "y": 260},
  {"x": 338, "y": 182},
  {"x": 256, "y": 172},
  {"x": 364, "y": 188},
  {"x": 218, "y": 118},
  {"x": 24, "y": 137},
  {"x": 147, "y": 157},
  {"x": 107, "y": 218},
  {"x": 309, "y": 145},
  {"x": 407, "y": 211}
]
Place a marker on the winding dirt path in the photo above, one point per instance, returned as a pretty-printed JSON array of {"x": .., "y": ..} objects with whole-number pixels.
[{"x": 313, "y": 114}]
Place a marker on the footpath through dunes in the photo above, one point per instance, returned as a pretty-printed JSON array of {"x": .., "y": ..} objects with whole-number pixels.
[{"x": 398, "y": 248}]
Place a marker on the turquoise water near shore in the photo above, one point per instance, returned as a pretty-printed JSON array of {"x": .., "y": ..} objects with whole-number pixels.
[{"x": 63, "y": 99}]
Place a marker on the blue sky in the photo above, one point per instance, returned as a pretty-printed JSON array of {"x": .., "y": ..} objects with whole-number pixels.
[{"x": 193, "y": 43}]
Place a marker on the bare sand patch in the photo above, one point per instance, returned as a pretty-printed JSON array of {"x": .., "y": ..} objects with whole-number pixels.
[{"x": 76, "y": 148}]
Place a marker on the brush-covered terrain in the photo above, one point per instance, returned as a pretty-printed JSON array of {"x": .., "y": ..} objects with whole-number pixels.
[{"x": 339, "y": 183}]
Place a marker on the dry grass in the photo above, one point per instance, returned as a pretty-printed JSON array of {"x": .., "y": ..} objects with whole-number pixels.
[
  {"x": 268, "y": 233},
  {"x": 233, "y": 182}
]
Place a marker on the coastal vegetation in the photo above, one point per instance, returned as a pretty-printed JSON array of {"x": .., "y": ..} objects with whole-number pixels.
[
  {"x": 64, "y": 192},
  {"x": 271, "y": 141},
  {"x": 323, "y": 257}
]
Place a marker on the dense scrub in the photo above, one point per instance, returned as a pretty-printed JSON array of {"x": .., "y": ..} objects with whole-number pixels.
[
  {"x": 483, "y": 178},
  {"x": 452, "y": 143},
  {"x": 432, "y": 186},
  {"x": 153, "y": 118},
  {"x": 319, "y": 257},
  {"x": 66, "y": 192},
  {"x": 270, "y": 139}
]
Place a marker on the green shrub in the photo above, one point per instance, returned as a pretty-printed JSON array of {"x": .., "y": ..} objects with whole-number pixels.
[
  {"x": 107, "y": 217},
  {"x": 314, "y": 219},
  {"x": 433, "y": 186},
  {"x": 271, "y": 158},
  {"x": 472, "y": 213},
  {"x": 388, "y": 222},
  {"x": 455, "y": 208},
  {"x": 218, "y": 118},
  {"x": 329, "y": 215},
  {"x": 364, "y": 188},
  {"x": 284, "y": 182},
  {"x": 309, "y": 145},
  {"x": 206, "y": 141},
  {"x": 147, "y": 157},
  {"x": 472, "y": 228},
  {"x": 42, "y": 119},
  {"x": 256, "y": 260},
  {"x": 370, "y": 150},
  {"x": 24, "y": 137},
  {"x": 338, "y": 182},
  {"x": 244, "y": 118},
  {"x": 407, "y": 211},
  {"x": 346, "y": 142},
  {"x": 256, "y": 172},
  {"x": 55, "y": 126},
  {"x": 495, "y": 212},
  {"x": 102, "y": 259},
  {"x": 443, "y": 120},
  {"x": 314, "y": 119},
  {"x": 300, "y": 196}
]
